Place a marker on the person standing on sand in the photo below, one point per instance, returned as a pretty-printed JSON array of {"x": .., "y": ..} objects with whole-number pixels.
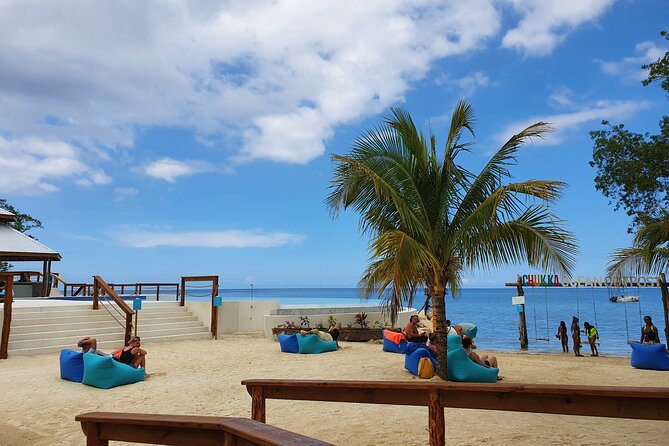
[
  {"x": 563, "y": 337},
  {"x": 647, "y": 329},
  {"x": 591, "y": 333},
  {"x": 576, "y": 336}
]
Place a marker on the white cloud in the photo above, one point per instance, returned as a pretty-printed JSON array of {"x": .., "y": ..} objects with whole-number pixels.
[
  {"x": 278, "y": 76},
  {"x": 544, "y": 24},
  {"x": 630, "y": 67},
  {"x": 271, "y": 79},
  {"x": 564, "y": 124},
  {"x": 466, "y": 85},
  {"x": 123, "y": 193},
  {"x": 35, "y": 165},
  {"x": 562, "y": 97},
  {"x": 209, "y": 239},
  {"x": 168, "y": 169}
]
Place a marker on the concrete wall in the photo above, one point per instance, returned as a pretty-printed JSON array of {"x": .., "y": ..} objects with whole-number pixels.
[
  {"x": 235, "y": 316},
  {"x": 263, "y": 315}
]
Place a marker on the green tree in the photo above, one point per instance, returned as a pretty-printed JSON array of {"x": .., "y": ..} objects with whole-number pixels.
[
  {"x": 633, "y": 168},
  {"x": 429, "y": 218},
  {"x": 23, "y": 223}
]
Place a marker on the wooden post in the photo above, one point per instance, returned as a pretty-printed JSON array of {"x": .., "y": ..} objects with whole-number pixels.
[
  {"x": 44, "y": 276},
  {"x": 522, "y": 325},
  {"x": 7, "y": 315},
  {"x": 258, "y": 404},
  {"x": 214, "y": 310},
  {"x": 183, "y": 292},
  {"x": 128, "y": 328},
  {"x": 436, "y": 424},
  {"x": 157, "y": 292},
  {"x": 96, "y": 293},
  {"x": 662, "y": 282}
]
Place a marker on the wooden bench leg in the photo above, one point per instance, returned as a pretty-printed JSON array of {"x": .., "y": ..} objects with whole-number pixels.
[
  {"x": 436, "y": 426},
  {"x": 92, "y": 431},
  {"x": 258, "y": 404}
]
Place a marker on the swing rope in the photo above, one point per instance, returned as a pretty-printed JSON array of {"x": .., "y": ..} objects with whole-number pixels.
[
  {"x": 578, "y": 312},
  {"x": 548, "y": 337},
  {"x": 627, "y": 330}
]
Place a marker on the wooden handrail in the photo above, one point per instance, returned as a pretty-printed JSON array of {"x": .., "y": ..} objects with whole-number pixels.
[
  {"x": 648, "y": 403},
  {"x": 100, "y": 284},
  {"x": 186, "y": 430}
]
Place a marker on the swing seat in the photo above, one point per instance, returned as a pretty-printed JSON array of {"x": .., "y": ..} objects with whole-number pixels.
[{"x": 543, "y": 339}]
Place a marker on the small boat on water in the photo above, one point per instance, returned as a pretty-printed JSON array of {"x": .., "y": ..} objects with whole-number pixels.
[{"x": 624, "y": 298}]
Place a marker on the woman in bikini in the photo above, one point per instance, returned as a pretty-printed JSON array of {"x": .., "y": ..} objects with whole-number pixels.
[
  {"x": 647, "y": 329},
  {"x": 133, "y": 355},
  {"x": 484, "y": 360},
  {"x": 576, "y": 336},
  {"x": 563, "y": 337}
]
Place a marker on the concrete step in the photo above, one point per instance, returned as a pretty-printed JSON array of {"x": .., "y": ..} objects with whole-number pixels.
[
  {"x": 93, "y": 329},
  {"x": 71, "y": 338},
  {"x": 63, "y": 318},
  {"x": 109, "y": 346}
]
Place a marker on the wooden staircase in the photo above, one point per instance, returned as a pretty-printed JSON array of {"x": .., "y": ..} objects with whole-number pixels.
[{"x": 48, "y": 329}]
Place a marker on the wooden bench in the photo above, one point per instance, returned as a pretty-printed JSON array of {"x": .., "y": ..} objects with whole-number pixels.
[
  {"x": 650, "y": 403},
  {"x": 185, "y": 430}
]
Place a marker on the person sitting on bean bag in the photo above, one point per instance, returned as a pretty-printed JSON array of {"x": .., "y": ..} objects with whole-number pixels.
[
  {"x": 133, "y": 355},
  {"x": 489, "y": 362},
  {"x": 331, "y": 335}
]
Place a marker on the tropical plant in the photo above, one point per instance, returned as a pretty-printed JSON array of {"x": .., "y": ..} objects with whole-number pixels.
[
  {"x": 287, "y": 324},
  {"x": 429, "y": 218},
  {"x": 332, "y": 321},
  {"x": 649, "y": 253},
  {"x": 304, "y": 321},
  {"x": 22, "y": 223},
  {"x": 361, "y": 319}
]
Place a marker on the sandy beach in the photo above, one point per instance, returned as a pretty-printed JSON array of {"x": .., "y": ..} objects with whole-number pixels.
[{"x": 203, "y": 378}]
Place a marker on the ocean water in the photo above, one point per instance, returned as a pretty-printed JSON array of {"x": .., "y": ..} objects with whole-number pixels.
[{"x": 497, "y": 318}]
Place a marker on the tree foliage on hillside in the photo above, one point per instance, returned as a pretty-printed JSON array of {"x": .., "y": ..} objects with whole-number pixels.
[
  {"x": 23, "y": 223},
  {"x": 633, "y": 168}
]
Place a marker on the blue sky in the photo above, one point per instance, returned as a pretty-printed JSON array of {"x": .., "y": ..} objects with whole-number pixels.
[{"x": 159, "y": 139}]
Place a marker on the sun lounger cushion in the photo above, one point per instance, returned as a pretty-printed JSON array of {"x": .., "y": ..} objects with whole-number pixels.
[
  {"x": 393, "y": 341},
  {"x": 71, "y": 365},
  {"x": 105, "y": 372},
  {"x": 412, "y": 359},
  {"x": 288, "y": 343},
  {"x": 468, "y": 329},
  {"x": 461, "y": 368},
  {"x": 649, "y": 356},
  {"x": 313, "y": 344}
]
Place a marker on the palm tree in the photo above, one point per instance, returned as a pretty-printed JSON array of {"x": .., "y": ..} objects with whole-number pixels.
[
  {"x": 429, "y": 219},
  {"x": 649, "y": 253}
]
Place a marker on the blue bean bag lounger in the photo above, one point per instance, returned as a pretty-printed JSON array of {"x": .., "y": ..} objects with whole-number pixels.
[
  {"x": 105, "y": 372},
  {"x": 288, "y": 343},
  {"x": 311, "y": 343},
  {"x": 414, "y": 352},
  {"x": 393, "y": 341},
  {"x": 71, "y": 365},
  {"x": 454, "y": 342},
  {"x": 649, "y": 356}
]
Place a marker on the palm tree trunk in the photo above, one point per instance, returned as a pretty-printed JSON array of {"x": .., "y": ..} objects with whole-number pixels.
[{"x": 439, "y": 313}]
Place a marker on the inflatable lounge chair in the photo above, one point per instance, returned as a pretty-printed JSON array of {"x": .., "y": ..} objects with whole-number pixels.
[
  {"x": 460, "y": 367},
  {"x": 104, "y": 372},
  {"x": 468, "y": 329},
  {"x": 71, "y": 365},
  {"x": 649, "y": 356},
  {"x": 288, "y": 343},
  {"x": 311, "y": 344},
  {"x": 393, "y": 341}
]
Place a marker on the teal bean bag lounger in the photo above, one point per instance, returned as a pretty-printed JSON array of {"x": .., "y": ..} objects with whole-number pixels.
[
  {"x": 311, "y": 343},
  {"x": 104, "y": 372},
  {"x": 461, "y": 368}
]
